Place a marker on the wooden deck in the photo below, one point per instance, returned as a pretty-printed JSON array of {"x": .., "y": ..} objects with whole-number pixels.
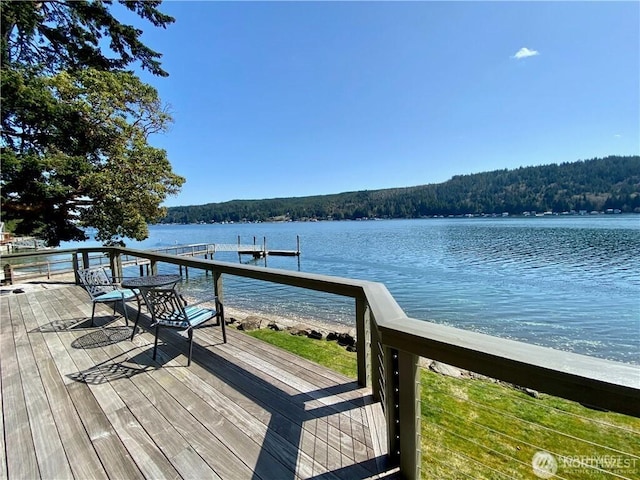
[{"x": 86, "y": 402}]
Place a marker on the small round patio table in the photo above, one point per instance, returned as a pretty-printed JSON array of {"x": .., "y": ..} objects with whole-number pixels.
[{"x": 151, "y": 281}]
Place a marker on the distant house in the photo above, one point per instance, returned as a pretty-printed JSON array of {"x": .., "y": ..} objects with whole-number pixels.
[{"x": 5, "y": 237}]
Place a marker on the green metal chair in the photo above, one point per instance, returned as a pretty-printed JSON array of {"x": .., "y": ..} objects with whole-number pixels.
[
  {"x": 102, "y": 289},
  {"x": 169, "y": 309}
]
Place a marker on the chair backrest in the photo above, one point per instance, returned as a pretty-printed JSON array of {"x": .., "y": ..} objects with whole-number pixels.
[
  {"x": 166, "y": 306},
  {"x": 96, "y": 281}
]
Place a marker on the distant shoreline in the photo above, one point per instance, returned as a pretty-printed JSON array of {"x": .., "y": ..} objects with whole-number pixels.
[{"x": 532, "y": 214}]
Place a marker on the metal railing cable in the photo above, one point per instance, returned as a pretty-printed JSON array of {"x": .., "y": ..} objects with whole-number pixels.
[
  {"x": 489, "y": 450},
  {"x": 521, "y": 441},
  {"x": 475, "y": 476},
  {"x": 559, "y": 411},
  {"x": 529, "y": 434},
  {"x": 529, "y": 423}
]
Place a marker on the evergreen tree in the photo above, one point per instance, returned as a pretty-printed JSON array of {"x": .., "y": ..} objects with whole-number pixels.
[{"x": 76, "y": 124}]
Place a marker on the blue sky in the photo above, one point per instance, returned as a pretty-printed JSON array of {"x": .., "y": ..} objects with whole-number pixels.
[{"x": 287, "y": 99}]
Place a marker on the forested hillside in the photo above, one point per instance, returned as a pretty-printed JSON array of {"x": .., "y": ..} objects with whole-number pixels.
[{"x": 598, "y": 184}]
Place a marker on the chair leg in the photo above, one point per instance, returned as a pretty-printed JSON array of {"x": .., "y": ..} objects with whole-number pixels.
[
  {"x": 222, "y": 322},
  {"x": 126, "y": 316},
  {"x": 93, "y": 312},
  {"x": 190, "y": 346},
  {"x": 155, "y": 345},
  {"x": 139, "y": 306},
  {"x": 135, "y": 326},
  {"x": 224, "y": 332}
]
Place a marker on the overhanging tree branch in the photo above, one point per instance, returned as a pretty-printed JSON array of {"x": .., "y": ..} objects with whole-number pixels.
[{"x": 75, "y": 125}]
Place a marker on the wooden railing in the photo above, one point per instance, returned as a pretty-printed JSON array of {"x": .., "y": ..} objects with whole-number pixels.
[{"x": 390, "y": 344}]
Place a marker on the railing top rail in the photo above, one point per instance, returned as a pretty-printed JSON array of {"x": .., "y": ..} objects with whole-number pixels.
[
  {"x": 591, "y": 381},
  {"x": 340, "y": 286},
  {"x": 45, "y": 252}
]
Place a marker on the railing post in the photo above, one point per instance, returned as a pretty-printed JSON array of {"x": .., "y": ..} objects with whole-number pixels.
[
  {"x": 218, "y": 292},
  {"x": 402, "y": 410},
  {"x": 115, "y": 263},
  {"x": 154, "y": 267},
  {"x": 377, "y": 362},
  {"x": 76, "y": 267},
  {"x": 217, "y": 285},
  {"x": 363, "y": 342},
  {"x": 390, "y": 402},
  {"x": 85, "y": 260},
  {"x": 8, "y": 274},
  {"x": 410, "y": 440}
]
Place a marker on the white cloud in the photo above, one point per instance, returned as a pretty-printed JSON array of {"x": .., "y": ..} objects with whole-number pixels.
[
  {"x": 524, "y": 52},
  {"x": 617, "y": 135}
]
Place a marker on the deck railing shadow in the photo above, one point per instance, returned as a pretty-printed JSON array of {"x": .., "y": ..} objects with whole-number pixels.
[
  {"x": 355, "y": 471},
  {"x": 287, "y": 413}
]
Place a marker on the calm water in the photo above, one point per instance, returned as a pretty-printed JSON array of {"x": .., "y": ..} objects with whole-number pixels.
[{"x": 571, "y": 283}]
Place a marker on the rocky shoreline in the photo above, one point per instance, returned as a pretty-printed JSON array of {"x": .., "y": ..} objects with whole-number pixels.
[{"x": 342, "y": 334}]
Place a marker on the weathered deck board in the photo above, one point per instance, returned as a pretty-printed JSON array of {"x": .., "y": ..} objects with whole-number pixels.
[
  {"x": 87, "y": 402},
  {"x": 49, "y": 451},
  {"x": 20, "y": 453}
]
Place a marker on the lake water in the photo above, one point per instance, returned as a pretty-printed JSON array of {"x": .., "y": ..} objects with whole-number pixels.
[{"x": 571, "y": 283}]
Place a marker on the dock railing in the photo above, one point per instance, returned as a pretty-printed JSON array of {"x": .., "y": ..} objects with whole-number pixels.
[{"x": 390, "y": 345}]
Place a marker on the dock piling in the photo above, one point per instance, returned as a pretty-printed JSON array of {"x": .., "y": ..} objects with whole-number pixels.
[{"x": 207, "y": 250}]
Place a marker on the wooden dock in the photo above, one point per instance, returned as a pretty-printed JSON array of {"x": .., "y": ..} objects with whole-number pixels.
[
  {"x": 208, "y": 250},
  {"x": 26, "y": 271},
  {"x": 82, "y": 402}
]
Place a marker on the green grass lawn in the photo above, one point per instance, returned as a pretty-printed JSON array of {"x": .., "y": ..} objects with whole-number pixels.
[{"x": 473, "y": 428}]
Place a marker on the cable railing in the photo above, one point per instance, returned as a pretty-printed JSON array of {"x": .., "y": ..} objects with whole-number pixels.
[
  {"x": 488, "y": 429},
  {"x": 427, "y": 430}
]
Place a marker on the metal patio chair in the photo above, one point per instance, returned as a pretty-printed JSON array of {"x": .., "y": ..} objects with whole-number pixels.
[
  {"x": 102, "y": 289},
  {"x": 169, "y": 309}
]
